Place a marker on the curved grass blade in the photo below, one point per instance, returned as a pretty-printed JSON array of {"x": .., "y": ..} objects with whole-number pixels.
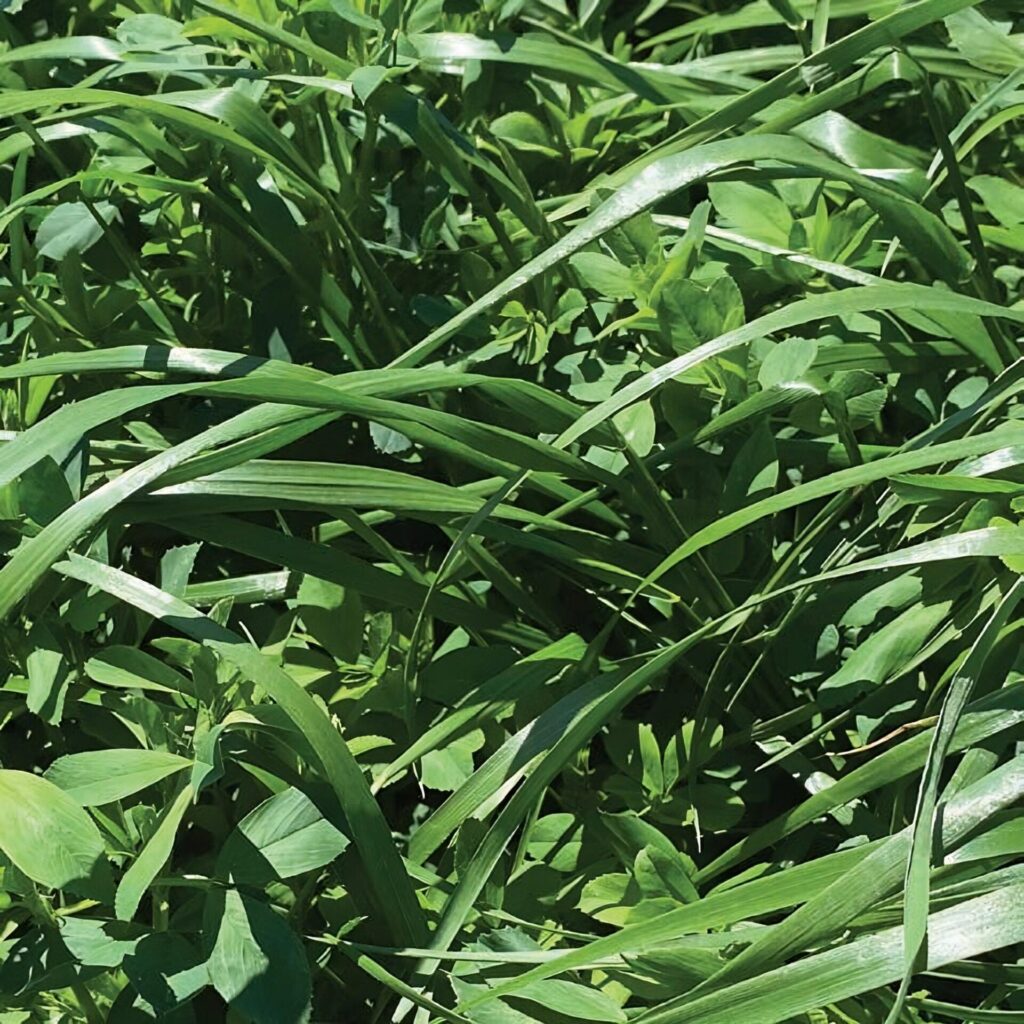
[
  {"x": 390, "y": 884},
  {"x": 919, "y": 861}
]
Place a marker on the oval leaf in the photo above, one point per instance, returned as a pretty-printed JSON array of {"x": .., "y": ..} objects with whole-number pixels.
[
  {"x": 49, "y": 837},
  {"x": 97, "y": 777}
]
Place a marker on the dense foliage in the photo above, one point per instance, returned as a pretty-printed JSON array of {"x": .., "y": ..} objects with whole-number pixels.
[{"x": 510, "y": 511}]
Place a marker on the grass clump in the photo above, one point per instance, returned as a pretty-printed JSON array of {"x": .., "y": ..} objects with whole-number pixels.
[{"x": 510, "y": 511}]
